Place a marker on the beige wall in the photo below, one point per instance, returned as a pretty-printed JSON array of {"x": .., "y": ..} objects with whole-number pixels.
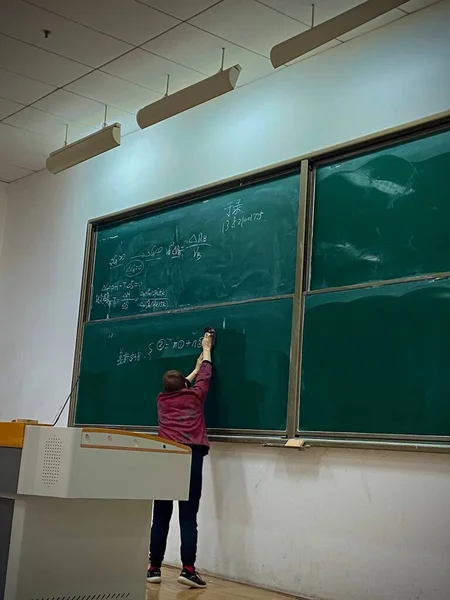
[{"x": 3, "y": 187}]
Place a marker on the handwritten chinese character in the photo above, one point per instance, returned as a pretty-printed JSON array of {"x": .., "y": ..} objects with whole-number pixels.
[{"x": 233, "y": 209}]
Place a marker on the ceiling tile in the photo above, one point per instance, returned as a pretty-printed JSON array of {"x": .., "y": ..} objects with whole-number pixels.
[
  {"x": 9, "y": 173},
  {"x": 328, "y": 9},
  {"x": 26, "y": 22},
  {"x": 22, "y": 89},
  {"x": 182, "y": 9},
  {"x": 48, "y": 125},
  {"x": 414, "y": 5},
  {"x": 113, "y": 91},
  {"x": 385, "y": 19},
  {"x": 151, "y": 71},
  {"x": 249, "y": 24},
  {"x": 297, "y": 9},
  {"x": 126, "y": 20},
  {"x": 15, "y": 139},
  {"x": 83, "y": 110},
  {"x": 21, "y": 157},
  {"x": 72, "y": 106},
  {"x": 203, "y": 51},
  {"x": 38, "y": 64},
  {"x": 7, "y": 107}
]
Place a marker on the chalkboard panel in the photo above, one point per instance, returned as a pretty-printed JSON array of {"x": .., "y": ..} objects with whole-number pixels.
[
  {"x": 234, "y": 246},
  {"x": 123, "y": 362},
  {"x": 383, "y": 215},
  {"x": 376, "y": 360}
]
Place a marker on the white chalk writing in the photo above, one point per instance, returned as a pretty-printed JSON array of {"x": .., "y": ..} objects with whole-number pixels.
[
  {"x": 234, "y": 209},
  {"x": 153, "y": 349},
  {"x": 124, "y": 294},
  {"x": 121, "y": 285},
  {"x": 235, "y": 216},
  {"x": 117, "y": 261},
  {"x": 188, "y": 248},
  {"x": 195, "y": 243},
  {"x": 134, "y": 268}
]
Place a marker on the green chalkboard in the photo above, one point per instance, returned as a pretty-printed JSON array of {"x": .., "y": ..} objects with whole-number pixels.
[
  {"x": 233, "y": 246},
  {"x": 383, "y": 215},
  {"x": 377, "y": 360},
  {"x": 123, "y": 362}
]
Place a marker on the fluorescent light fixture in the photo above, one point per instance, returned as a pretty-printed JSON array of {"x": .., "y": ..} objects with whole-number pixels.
[
  {"x": 329, "y": 30},
  {"x": 88, "y": 147},
  {"x": 194, "y": 95}
]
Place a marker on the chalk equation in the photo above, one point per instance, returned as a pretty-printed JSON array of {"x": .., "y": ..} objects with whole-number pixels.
[
  {"x": 117, "y": 261},
  {"x": 119, "y": 286},
  {"x": 123, "y": 294},
  {"x": 155, "y": 349},
  {"x": 134, "y": 265},
  {"x": 134, "y": 268},
  {"x": 195, "y": 244},
  {"x": 235, "y": 216}
]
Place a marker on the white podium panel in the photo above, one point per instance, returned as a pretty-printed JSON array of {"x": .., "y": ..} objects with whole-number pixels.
[
  {"x": 74, "y": 548},
  {"x": 77, "y": 524},
  {"x": 94, "y": 463}
]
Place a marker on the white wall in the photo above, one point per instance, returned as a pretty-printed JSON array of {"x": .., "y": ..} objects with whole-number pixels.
[
  {"x": 3, "y": 201},
  {"x": 3, "y": 208},
  {"x": 343, "y": 525}
]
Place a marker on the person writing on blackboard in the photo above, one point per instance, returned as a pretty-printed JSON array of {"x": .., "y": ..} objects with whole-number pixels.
[{"x": 181, "y": 419}]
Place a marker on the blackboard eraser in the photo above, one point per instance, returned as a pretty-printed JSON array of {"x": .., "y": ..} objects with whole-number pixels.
[
  {"x": 294, "y": 443},
  {"x": 212, "y": 332}
]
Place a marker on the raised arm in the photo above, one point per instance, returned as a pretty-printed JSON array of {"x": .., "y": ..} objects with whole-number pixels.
[
  {"x": 204, "y": 374},
  {"x": 191, "y": 377}
]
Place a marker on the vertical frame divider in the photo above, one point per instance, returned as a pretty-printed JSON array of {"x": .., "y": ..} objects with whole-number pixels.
[
  {"x": 310, "y": 205},
  {"x": 83, "y": 314},
  {"x": 297, "y": 312},
  {"x": 309, "y": 201}
]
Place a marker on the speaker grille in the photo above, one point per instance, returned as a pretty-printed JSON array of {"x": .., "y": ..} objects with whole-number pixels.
[{"x": 52, "y": 461}]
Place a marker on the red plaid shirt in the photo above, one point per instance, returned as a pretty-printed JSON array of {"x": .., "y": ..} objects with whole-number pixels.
[{"x": 181, "y": 415}]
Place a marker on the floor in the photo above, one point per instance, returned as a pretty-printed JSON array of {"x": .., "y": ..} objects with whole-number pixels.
[{"x": 217, "y": 590}]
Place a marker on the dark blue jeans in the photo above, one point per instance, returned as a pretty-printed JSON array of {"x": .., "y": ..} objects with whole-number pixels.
[{"x": 188, "y": 509}]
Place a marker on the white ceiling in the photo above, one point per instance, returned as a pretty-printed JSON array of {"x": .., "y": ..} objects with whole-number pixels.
[{"x": 119, "y": 52}]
